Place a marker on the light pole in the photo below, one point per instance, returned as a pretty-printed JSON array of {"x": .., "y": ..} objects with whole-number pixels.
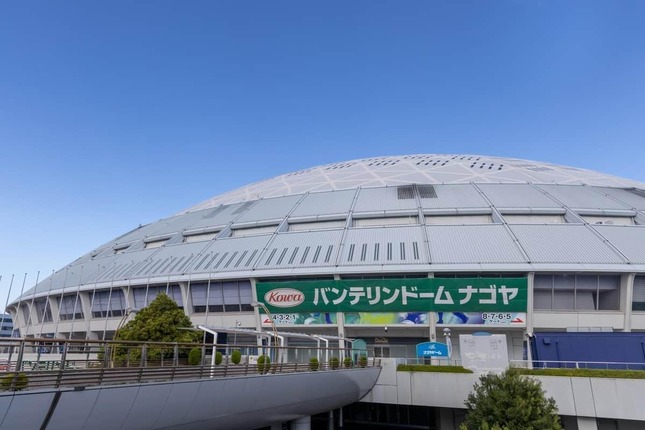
[
  {"x": 446, "y": 333},
  {"x": 126, "y": 314},
  {"x": 275, "y": 330}
]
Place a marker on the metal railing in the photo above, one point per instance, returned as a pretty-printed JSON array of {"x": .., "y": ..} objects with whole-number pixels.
[
  {"x": 59, "y": 363},
  {"x": 550, "y": 364}
]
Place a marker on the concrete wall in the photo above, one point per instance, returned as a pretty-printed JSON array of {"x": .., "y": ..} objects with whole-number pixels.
[{"x": 586, "y": 397}]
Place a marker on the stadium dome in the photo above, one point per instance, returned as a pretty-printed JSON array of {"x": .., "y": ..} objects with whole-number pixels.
[{"x": 565, "y": 230}]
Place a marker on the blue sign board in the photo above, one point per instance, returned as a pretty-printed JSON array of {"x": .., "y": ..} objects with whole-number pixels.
[{"x": 432, "y": 350}]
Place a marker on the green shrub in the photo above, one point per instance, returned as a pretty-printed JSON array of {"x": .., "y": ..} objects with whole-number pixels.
[
  {"x": 218, "y": 358},
  {"x": 334, "y": 362},
  {"x": 348, "y": 362},
  {"x": 362, "y": 361},
  {"x": 264, "y": 364},
  {"x": 589, "y": 373},
  {"x": 313, "y": 364},
  {"x": 19, "y": 383},
  {"x": 236, "y": 356},
  {"x": 512, "y": 401},
  {"x": 195, "y": 357},
  {"x": 429, "y": 368}
]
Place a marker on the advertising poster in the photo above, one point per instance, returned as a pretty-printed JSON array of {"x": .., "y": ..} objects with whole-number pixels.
[{"x": 351, "y": 318}]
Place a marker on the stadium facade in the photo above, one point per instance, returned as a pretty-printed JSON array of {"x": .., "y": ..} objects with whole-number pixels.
[{"x": 346, "y": 249}]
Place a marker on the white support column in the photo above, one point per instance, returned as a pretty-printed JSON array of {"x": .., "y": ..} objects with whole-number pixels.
[
  {"x": 432, "y": 321},
  {"x": 528, "y": 331},
  {"x": 446, "y": 419},
  {"x": 303, "y": 423},
  {"x": 587, "y": 423},
  {"x": 530, "y": 277},
  {"x": 626, "y": 299}
]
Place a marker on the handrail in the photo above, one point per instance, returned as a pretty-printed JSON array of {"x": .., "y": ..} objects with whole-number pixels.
[{"x": 60, "y": 363}]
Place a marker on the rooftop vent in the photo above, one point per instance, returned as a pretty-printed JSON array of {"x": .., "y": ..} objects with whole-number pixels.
[
  {"x": 339, "y": 166},
  {"x": 382, "y": 162},
  {"x": 405, "y": 193},
  {"x": 427, "y": 192}
]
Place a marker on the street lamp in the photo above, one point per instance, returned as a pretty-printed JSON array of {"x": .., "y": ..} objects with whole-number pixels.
[
  {"x": 446, "y": 333},
  {"x": 275, "y": 330}
]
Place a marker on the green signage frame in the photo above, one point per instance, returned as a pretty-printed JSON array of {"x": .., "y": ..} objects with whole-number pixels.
[{"x": 396, "y": 295}]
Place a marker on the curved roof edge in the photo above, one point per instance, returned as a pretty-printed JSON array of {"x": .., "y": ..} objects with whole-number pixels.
[{"x": 415, "y": 169}]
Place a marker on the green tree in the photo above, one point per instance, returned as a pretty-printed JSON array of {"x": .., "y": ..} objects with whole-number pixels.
[
  {"x": 161, "y": 321},
  {"x": 510, "y": 401}
]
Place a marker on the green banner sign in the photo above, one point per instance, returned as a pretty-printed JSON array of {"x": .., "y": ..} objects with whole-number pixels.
[{"x": 396, "y": 295}]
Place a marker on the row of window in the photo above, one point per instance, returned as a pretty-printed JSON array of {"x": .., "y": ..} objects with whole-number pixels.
[
  {"x": 550, "y": 292},
  {"x": 232, "y": 296}
]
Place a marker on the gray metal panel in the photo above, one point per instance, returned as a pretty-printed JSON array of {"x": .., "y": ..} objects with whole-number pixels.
[
  {"x": 269, "y": 209},
  {"x": 472, "y": 244},
  {"x": 27, "y": 411},
  {"x": 628, "y": 240},
  {"x": 300, "y": 249},
  {"x": 170, "y": 260},
  {"x": 230, "y": 254},
  {"x": 381, "y": 199},
  {"x": 334, "y": 202},
  {"x": 83, "y": 272},
  {"x": 151, "y": 400},
  {"x": 134, "y": 235},
  {"x": 384, "y": 246},
  {"x": 455, "y": 196},
  {"x": 562, "y": 243},
  {"x": 120, "y": 267},
  {"x": 73, "y": 407},
  {"x": 111, "y": 408},
  {"x": 222, "y": 215},
  {"x": 630, "y": 198},
  {"x": 517, "y": 196},
  {"x": 579, "y": 197},
  {"x": 178, "y": 223}
]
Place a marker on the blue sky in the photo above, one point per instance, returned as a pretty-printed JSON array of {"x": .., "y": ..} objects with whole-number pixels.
[{"x": 115, "y": 114}]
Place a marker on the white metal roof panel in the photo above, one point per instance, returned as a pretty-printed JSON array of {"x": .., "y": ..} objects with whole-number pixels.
[
  {"x": 517, "y": 196},
  {"x": 170, "y": 260},
  {"x": 327, "y": 203},
  {"x": 384, "y": 246},
  {"x": 222, "y": 215},
  {"x": 178, "y": 223},
  {"x": 134, "y": 235},
  {"x": 628, "y": 197},
  {"x": 381, "y": 199},
  {"x": 269, "y": 209},
  {"x": 578, "y": 197},
  {"x": 72, "y": 275},
  {"x": 629, "y": 240},
  {"x": 124, "y": 265},
  {"x": 301, "y": 249},
  {"x": 454, "y": 196},
  {"x": 230, "y": 254},
  {"x": 463, "y": 244},
  {"x": 563, "y": 243}
]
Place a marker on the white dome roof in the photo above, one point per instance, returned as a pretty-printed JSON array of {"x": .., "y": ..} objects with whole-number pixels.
[{"x": 416, "y": 169}]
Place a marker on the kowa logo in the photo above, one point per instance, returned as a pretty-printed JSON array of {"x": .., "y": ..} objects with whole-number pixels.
[{"x": 284, "y": 297}]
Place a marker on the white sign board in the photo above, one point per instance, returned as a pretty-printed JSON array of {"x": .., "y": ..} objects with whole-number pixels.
[{"x": 484, "y": 353}]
